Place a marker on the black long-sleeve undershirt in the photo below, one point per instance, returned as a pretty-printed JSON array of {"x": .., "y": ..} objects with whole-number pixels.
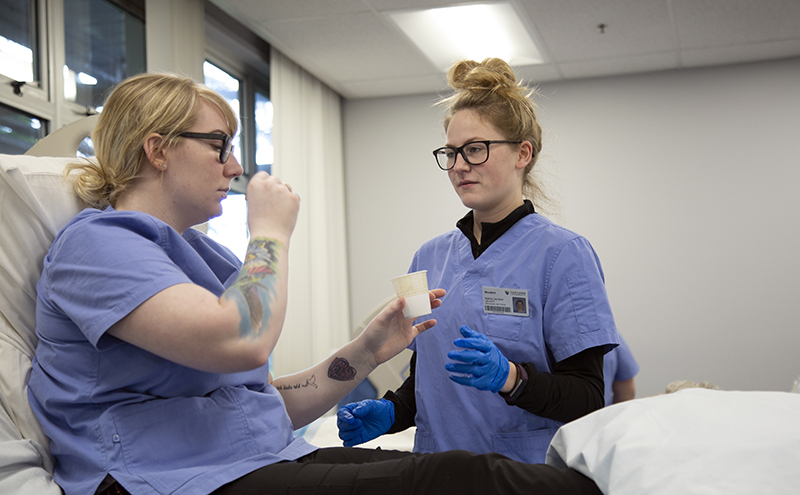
[{"x": 572, "y": 390}]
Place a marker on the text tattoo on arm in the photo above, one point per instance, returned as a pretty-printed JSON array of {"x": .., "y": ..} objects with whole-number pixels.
[
  {"x": 254, "y": 289},
  {"x": 311, "y": 382}
]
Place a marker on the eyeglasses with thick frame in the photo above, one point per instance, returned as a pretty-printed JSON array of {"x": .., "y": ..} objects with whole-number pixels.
[
  {"x": 446, "y": 155},
  {"x": 227, "y": 142}
]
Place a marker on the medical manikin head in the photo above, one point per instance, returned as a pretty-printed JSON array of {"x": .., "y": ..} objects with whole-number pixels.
[
  {"x": 490, "y": 90},
  {"x": 673, "y": 387},
  {"x": 138, "y": 106}
]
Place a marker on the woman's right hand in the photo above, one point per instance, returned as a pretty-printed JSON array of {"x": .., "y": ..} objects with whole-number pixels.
[
  {"x": 360, "y": 422},
  {"x": 390, "y": 331},
  {"x": 272, "y": 207}
]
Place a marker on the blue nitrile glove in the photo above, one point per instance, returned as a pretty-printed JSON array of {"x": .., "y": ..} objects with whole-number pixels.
[
  {"x": 360, "y": 422},
  {"x": 482, "y": 365}
]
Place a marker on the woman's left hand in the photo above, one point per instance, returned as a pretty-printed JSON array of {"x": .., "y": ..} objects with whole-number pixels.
[{"x": 390, "y": 332}]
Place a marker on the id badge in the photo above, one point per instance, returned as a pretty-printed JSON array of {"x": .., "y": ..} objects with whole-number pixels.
[{"x": 499, "y": 301}]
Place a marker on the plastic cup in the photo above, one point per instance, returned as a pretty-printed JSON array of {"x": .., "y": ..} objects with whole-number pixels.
[{"x": 414, "y": 288}]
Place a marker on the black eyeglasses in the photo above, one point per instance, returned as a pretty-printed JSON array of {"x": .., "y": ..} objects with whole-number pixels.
[
  {"x": 474, "y": 153},
  {"x": 227, "y": 142}
]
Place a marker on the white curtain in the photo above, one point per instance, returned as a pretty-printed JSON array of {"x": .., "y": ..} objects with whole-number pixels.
[{"x": 307, "y": 137}]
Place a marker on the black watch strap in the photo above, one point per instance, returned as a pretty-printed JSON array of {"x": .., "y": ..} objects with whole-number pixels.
[{"x": 519, "y": 384}]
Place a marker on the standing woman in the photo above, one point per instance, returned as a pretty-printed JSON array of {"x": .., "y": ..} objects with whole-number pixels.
[
  {"x": 520, "y": 340},
  {"x": 151, "y": 372}
]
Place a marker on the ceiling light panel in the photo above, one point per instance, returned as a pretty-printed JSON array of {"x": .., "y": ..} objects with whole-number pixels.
[{"x": 478, "y": 31}]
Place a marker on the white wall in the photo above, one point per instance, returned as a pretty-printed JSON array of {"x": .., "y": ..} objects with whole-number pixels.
[{"x": 685, "y": 182}]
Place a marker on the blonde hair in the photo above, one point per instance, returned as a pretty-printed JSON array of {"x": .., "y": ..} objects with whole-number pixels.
[
  {"x": 166, "y": 104},
  {"x": 491, "y": 89}
]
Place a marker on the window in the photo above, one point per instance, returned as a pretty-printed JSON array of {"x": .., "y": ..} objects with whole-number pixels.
[
  {"x": 18, "y": 130},
  {"x": 235, "y": 91},
  {"x": 104, "y": 42},
  {"x": 19, "y": 40},
  {"x": 230, "y": 228},
  {"x": 228, "y": 87},
  {"x": 263, "y": 118},
  {"x": 237, "y": 67},
  {"x": 23, "y": 86},
  {"x": 103, "y": 45}
]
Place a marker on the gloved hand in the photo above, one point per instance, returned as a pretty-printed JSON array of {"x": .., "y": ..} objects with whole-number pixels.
[
  {"x": 360, "y": 422},
  {"x": 484, "y": 366}
]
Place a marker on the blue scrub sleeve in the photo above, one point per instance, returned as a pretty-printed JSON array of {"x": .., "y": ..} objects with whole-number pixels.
[
  {"x": 577, "y": 314},
  {"x": 98, "y": 283},
  {"x": 627, "y": 367}
]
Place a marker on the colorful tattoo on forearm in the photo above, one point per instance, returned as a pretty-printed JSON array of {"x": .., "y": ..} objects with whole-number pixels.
[
  {"x": 254, "y": 290},
  {"x": 341, "y": 370}
]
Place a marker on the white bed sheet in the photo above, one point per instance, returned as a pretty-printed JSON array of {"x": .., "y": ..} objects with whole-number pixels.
[
  {"x": 695, "y": 441},
  {"x": 323, "y": 433}
]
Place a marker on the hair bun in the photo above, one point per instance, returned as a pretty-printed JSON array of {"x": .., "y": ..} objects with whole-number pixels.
[{"x": 493, "y": 74}]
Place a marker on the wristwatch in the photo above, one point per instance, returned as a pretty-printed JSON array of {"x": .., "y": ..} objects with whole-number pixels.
[{"x": 519, "y": 384}]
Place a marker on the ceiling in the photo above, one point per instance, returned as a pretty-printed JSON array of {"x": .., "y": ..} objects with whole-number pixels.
[{"x": 356, "y": 50}]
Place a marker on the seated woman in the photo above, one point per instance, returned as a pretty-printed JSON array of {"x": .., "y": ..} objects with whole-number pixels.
[{"x": 151, "y": 374}]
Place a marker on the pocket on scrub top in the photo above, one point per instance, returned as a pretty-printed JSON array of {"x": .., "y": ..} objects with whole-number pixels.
[
  {"x": 530, "y": 446},
  {"x": 424, "y": 442},
  {"x": 504, "y": 326},
  {"x": 178, "y": 433}
]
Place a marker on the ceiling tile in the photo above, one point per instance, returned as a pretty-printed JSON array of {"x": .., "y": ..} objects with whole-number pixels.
[
  {"x": 532, "y": 74},
  {"x": 261, "y": 10},
  {"x": 702, "y": 57},
  {"x": 715, "y": 23},
  {"x": 570, "y": 32},
  {"x": 627, "y": 65},
  {"x": 353, "y": 48},
  {"x": 397, "y": 86}
]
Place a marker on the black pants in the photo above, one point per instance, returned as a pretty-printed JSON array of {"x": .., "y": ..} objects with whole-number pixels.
[{"x": 354, "y": 471}]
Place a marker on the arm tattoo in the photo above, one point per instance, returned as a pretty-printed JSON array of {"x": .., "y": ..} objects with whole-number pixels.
[
  {"x": 254, "y": 289},
  {"x": 341, "y": 370},
  {"x": 311, "y": 382}
]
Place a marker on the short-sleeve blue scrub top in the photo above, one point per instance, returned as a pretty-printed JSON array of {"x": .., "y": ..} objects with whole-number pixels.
[
  {"x": 619, "y": 365},
  {"x": 568, "y": 312},
  {"x": 109, "y": 407}
]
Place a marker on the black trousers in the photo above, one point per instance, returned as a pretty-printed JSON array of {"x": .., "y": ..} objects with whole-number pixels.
[{"x": 354, "y": 471}]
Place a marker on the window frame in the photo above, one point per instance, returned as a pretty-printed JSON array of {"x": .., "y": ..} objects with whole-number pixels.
[
  {"x": 35, "y": 96},
  {"x": 45, "y": 99},
  {"x": 229, "y": 45}
]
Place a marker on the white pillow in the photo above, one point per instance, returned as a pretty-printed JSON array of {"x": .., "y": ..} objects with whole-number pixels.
[
  {"x": 35, "y": 203},
  {"x": 695, "y": 441}
]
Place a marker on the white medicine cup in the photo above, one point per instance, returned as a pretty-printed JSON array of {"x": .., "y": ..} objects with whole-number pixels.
[{"x": 414, "y": 288}]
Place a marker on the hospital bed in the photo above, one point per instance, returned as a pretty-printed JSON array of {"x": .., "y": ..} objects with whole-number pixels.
[{"x": 694, "y": 441}]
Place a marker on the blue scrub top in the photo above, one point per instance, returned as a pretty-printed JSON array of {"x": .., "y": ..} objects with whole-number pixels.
[
  {"x": 619, "y": 365},
  {"x": 111, "y": 407},
  {"x": 568, "y": 313}
]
